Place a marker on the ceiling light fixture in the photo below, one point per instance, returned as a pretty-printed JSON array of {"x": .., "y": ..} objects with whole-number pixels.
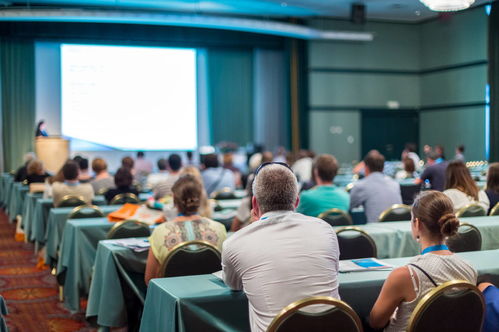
[{"x": 447, "y": 5}]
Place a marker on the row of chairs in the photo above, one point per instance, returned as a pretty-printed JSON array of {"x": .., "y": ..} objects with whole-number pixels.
[{"x": 70, "y": 201}]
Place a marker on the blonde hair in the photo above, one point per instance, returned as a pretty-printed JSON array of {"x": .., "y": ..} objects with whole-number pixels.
[
  {"x": 205, "y": 208},
  {"x": 35, "y": 166}
]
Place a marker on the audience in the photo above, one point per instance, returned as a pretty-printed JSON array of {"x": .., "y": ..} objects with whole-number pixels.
[
  {"x": 215, "y": 177},
  {"x": 325, "y": 195},
  {"x": 492, "y": 190},
  {"x": 460, "y": 153},
  {"x": 409, "y": 171},
  {"x": 461, "y": 188},
  {"x": 187, "y": 226},
  {"x": 243, "y": 214},
  {"x": 283, "y": 256},
  {"x": 434, "y": 173},
  {"x": 164, "y": 188},
  {"x": 143, "y": 168},
  {"x": 303, "y": 166},
  {"x": 376, "y": 192},
  {"x": 22, "y": 172},
  {"x": 439, "y": 149},
  {"x": 102, "y": 181},
  {"x": 36, "y": 172},
  {"x": 154, "y": 179},
  {"x": 84, "y": 176},
  {"x": 128, "y": 163},
  {"x": 123, "y": 181},
  {"x": 410, "y": 152},
  {"x": 71, "y": 186},
  {"x": 433, "y": 220}
]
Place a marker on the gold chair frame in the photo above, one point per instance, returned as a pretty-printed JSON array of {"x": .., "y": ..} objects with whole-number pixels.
[
  {"x": 390, "y": 209},
  {"x": 223, "y": 190},
  {"x": 495, "y": 210},
  {"x": 181, "y": 245},
  {"x": 470, "y": 226},
  {"x": 120, "y": 196},
  {"x": 297, "y": 305},
  {"x": 67, "y": 197},
  {"x": 117, "y": 225},
  {"x": 89, "y": 206},
  {"x": 360, "y": 230},
  {"x": 335, "y": 210},
  {"x": 464, "y": 208}
]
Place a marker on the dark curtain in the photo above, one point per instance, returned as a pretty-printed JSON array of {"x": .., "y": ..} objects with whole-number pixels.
[
  {"x": 18, "y": 100},
  {"x": 494, "y": 81}
]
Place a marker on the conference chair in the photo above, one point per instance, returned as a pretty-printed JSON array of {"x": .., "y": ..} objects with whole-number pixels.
[
  {"x": 86, "y": 211},
  {"x": 467, "y": 238},
  {"x": 354, "y": 243},
  {"x": 70, "y": 201},
  {"x": 471, "y": 210},
  {"x": 102, "y": 191},
  {"x": 124, "y": 198},
  {"x": 456, "y": 306},
  {"x": 336, "y": 217},
  {"x": 495, "y": 210},
  {"x": 129, "y": 228},
  {"x": 191, "y": 258},
  {"x": 225, "y": 193},
  {"x": 397, "y": 212},
  {"x": 338, "y": 316},
  {"x": 409, "y": 192}
]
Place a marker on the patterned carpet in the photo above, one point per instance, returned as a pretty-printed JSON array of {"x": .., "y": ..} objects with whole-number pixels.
[{"x": 31, "y": 294}]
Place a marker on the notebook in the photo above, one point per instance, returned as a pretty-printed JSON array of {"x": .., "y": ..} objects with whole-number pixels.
[{"x": 363, "y": 264}]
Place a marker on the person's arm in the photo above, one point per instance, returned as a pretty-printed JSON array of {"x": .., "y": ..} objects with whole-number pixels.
[
  {"x": 230, "y": 276},
  {"x": 424, "y": 176},
  {"x": 356, "y": 197},
  {"x": 152, "y": 267}
]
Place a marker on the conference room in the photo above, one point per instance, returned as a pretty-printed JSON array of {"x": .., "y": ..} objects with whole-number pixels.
[{"x": 249, "y": 165}]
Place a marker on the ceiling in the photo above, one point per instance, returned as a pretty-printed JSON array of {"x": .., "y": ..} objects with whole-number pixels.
[{"x": 398, "y": 10}]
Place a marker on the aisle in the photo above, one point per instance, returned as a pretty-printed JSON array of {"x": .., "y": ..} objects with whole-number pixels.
[{"x": 31, "y": 294}]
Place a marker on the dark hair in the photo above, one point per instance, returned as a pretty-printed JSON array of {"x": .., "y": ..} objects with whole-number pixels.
[
  {"x": 70, "y": 170},
  {"x": 83, "y": 163},
  {"x": 267, "y": 157},
  {"x": 189, "y": 155},
  {"x": 460, "y": 148},
  {"x": 162, "y": 164},
  {"x": 375, "y": 161},
  {"x": 409, "y": 166},
  {"x": 123, "y": 177},
  {"x": 140, "y": 154},
  {"x": 411, "y": 147},
  {"x": 175, "y": 162},
  {"x": 39, "y": 124},
  {"x": 326, "y": 167},
  {"x": 210, "y": 160},
  {"x": 187, "y": 194},
  {"x": 127, "y": 162},
  {"x": 432, "y": 155},
  {"x": 457, "y": 176},
  {"x": 440, "y": 148},
  {"x": 99, "y": 165},
  {"x": 436, "y": 211},
  {"x": 493, "y": 178}
]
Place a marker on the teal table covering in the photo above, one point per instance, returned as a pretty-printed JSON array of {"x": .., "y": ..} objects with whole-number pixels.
[
  {"x": 55, "y": 226},
  {"x": 7, "y": 187},
  {"x": 197, "y": 303},
  {"x": 3, "y": 312},
  {"x": 5, "y": 180},
  {"x": 28, "y": 210},
  {"x": 15, "y": 205}
]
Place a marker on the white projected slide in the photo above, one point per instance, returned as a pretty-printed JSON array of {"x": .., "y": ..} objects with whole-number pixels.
[{"x": 129, "y": 98}]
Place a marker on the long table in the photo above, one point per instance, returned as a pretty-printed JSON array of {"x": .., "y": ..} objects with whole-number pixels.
[{"x": 205, "y": 303}]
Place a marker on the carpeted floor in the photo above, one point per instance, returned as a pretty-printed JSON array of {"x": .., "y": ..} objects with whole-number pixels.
[{"x": 31, "y": 294}]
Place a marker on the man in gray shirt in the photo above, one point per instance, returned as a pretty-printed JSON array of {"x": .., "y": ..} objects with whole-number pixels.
[{"x": 376, "y": 192}]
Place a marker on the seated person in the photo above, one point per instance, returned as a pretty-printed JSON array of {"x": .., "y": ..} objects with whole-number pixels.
[
  {"x": 433, "y": 220},
  {"x": 492, "y": 190},
  {"x": 283, "y": 256},
  {"x": 434, "y": 173},
  {"x": 36, "y": 172},
  {"x": 22, "y": 172},
  {"x": 164, "y": 188},
  {"x": 410, "y": 152},
  {"x": 187, "y": 226},
  {"x": 491, "y": 296},
  {"x": 154, "y": 179},
  {"x": 302, "y": 167},
  {"x": 84, "y": 176},
  {"x": 409, "y": 171},
  {"x": 102, "y": 180},
  {"x": 325, "y": 195},
  {"x": 243, "y": 214},
  {"x": 461, "y": 188},
  {"x": 215, "y": 177},
  {"x": 123, "y": 180},
  {"x": 71, "y": 185},
  {"x": 460, "y": 153},
  {"x": 376, "y": 192}
]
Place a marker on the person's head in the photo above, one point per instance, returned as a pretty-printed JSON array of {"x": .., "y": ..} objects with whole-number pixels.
[
  {"x": 83, "y": 163},
  {"x": 123, "y": 177},
  {"x": 325, "y": 168},
  {"x": 28, "y": 157},
  {"x": 174, "y": 162},
  {"x": 140, "y": 154},
  {"x": 493, "y": 177},
  {"x": 70, "y": 170},
  {"x": 99, "y": 165},
  {"x": 162, "y": 164},
  {"x": 35, "y": 167},
  {"x": 410, "y": 147},
  {"x": 267, "y": 157},
  {"x": 275, "y": 188},
  {"x": 457, "y": 176},
  {"x": 192, "y": 170},
  {"x": 460, "y": 149},
  {"x": 189, "y": 155},
  {"x": 409, "y": 166},
  {"x": 374, "y": 161},
  {"x": 40, "y": 125},
  {"x": 210, "y": 161},
  {"x": 228, "y": 158},
  {"x": 439, "y": 149},
  {"x": 127, "y": 162},
  {"x": 187, "y": 194},
  {"x": 431, "y": 157},
  {"x": 433, "y": 216}
]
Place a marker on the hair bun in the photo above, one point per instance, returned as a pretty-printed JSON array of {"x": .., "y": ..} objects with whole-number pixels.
[{"x": 448, "y": 224}]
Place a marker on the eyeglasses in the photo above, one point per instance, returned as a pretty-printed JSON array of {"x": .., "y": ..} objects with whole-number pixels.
[{"x": 271, "y": 163}]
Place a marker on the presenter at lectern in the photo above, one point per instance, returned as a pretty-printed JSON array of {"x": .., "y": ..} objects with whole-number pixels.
[{"x": 40, "y": 129}]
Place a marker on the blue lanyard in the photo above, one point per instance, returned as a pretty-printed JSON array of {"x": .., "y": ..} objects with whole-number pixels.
[{"x": 435, "y": 248}]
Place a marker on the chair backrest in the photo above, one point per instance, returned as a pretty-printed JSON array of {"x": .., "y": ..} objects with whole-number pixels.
[
  {"x": 456, "y": 305},
  {"x": 191, "y": 258},
  {"x": 336, "y": 217},
  {"x": 225, "y": 193},
  {"x": 495, "y": 210},
  {"x": 397, "y": 212},
  {"x": 86, "y": 211},
  {"x": 129, "y": 228},
  {"x": 409, "y": 192},
  {"x": 69, "y": 201},
  {"x": 354, "y": 243},
  {"x": 125, "y": 198},
  {"x": 471, "y": 210},
  {"x": 467, "y": 238},
  {"x": 339, "y": 316},
  {"x": 102, "y": 191}
]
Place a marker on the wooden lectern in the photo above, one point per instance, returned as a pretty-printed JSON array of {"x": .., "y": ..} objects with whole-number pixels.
[{"x": 53, "y": 151}]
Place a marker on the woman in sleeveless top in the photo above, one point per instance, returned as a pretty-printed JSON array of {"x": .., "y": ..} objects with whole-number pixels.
[
  {"x": 433, "y": 220},
  {"x": 187, "y": 226}
]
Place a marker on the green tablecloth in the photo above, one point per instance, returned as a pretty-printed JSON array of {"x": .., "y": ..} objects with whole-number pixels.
[
  {"x": 16, "y": 199},
  {"x": 28, "y": 211},
  {"x": 5, "y": 182},
  {"x": 198, "y": 303},
  {"x": 55, "y": 226}
]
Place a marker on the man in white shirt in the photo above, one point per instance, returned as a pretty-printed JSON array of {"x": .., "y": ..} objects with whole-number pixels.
[
  {"x": 282, "y": 257},
  {"x": 154, "y": 179}
]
